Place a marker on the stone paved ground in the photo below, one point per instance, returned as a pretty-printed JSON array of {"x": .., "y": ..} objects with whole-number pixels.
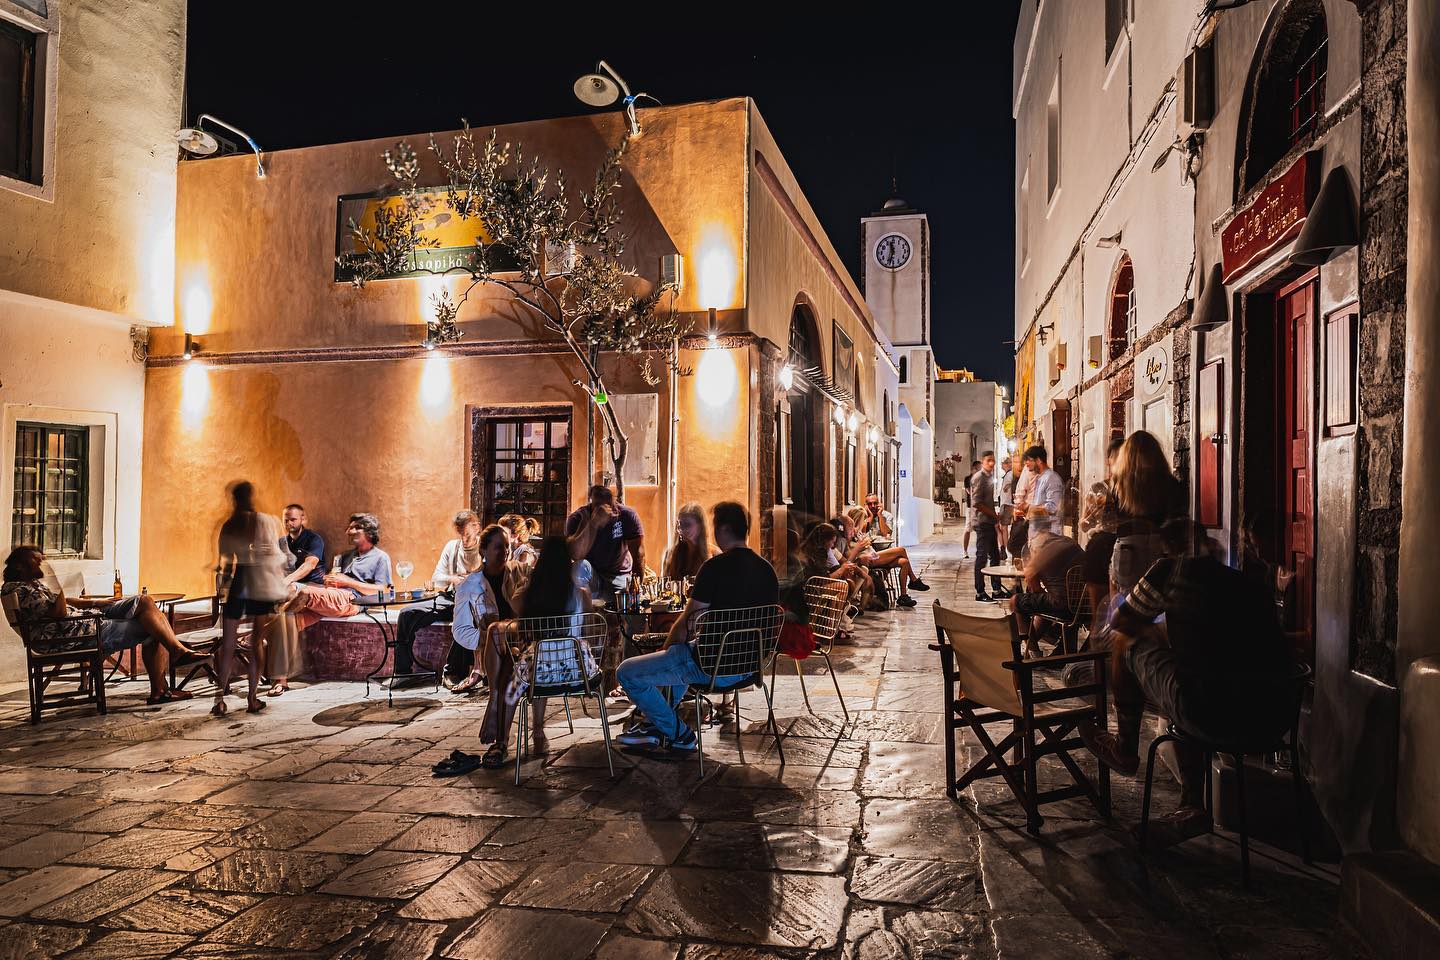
[{"x": 316, "y": 830}]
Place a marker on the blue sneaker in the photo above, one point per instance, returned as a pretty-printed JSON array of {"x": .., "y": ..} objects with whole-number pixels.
[
  {"x": 643, "y": 736},
  {"x": 686, "y": 740}
]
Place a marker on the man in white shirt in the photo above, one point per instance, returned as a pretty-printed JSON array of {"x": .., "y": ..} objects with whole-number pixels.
[{"x": 1047, "y": 492}]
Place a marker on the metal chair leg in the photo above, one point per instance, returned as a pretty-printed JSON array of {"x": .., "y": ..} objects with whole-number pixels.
[
  {"x": 605, "y": 731},
  {"x": 521, "y": 738},
  {"x": 1149, "y": 782},
  {"x": 774, "y": 727},
  {"x": 801, "y": 674},
  {"x": 1239, "y": 759},
  {"x": 699, "y": 736},
  {"x": 836, "y": 680},
  {"x": 568, "y": 719}
]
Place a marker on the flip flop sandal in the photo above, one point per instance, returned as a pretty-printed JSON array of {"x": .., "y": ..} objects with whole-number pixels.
[
  {"x": 457, "y": 767},
  {"x": 163, "y": 698},
  {"x": 494, "y": 758}
]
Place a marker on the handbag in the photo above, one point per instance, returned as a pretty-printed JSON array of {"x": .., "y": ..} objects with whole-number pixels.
[{"x": 797, "y": 640}]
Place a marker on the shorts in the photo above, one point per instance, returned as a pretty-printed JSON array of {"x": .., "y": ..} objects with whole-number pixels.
[
  {"x": 1098, "y": 551},
  {"x": 237, "y": 608},
  {"x": 120, "y": 635},
  {"x": 1037, "y": 605},
  {"x": 1134, "y": 554}
]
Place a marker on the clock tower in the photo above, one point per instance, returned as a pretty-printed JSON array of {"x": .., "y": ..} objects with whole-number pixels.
[{"x": 897, "y": 271}]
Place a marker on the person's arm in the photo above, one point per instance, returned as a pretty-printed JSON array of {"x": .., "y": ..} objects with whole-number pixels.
[
  {"x": 985, "y": 499},
  {"x": 680, "y": 629},
  {"x": 464, "y": 628},
  {"x": 447, "y": 568},
  {"x": 885, "y": 530},
  {"x": 584, "y": 536},
  {"x": 303, "y": 570},
  {"x": 1052, "y": 493},
  {"x": 637, "y": 557}
]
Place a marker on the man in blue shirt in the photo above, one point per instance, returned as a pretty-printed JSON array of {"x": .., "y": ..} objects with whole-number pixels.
[
  {"x": 304, "y": 549},
  {"x": 1046, "y": 496},
  {"x": 364, "y": 569}
]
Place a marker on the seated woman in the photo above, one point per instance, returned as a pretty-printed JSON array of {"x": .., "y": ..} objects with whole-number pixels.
[
  {"x": 883, "y": 559},
  {"x": 484, "y": 598},
  {"x": 550, "y": 592},
  {"x": 127, "y": 623},
  {"x": 692, "y": 544},
  {"x": 850, "y": 559},
  {"x": 521, "y": 529}
]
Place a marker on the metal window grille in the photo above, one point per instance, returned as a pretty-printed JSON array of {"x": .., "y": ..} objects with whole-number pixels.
[
  {"x": 52, "y": 497},
  {"x": 1307, "y": 88},
  {"x": 528, "y": 470},
  {"x": 1131, "y": 317}
]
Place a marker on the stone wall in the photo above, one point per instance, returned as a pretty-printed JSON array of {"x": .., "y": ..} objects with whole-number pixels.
[
  {"x": 1384, "y": 184},
  {"x": 1180, "y": 391}
]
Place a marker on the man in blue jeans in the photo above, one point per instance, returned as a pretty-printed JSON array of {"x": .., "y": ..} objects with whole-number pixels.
[{"x": 735, "y": 579}]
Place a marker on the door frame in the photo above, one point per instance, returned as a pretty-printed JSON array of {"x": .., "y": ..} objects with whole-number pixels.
[{"x": 1311, "y": 279}]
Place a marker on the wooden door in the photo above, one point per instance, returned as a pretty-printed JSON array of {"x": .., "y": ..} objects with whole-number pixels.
[
  {"x": 1295, "y": 381},
  {"x": 1209, "y": 436}
]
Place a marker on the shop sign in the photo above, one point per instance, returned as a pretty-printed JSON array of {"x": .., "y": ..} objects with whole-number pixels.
[
  {"x": 1272, "y": 218},
  {"x": 454, "y": 238},
  {"x": 1151, "y": 372}
]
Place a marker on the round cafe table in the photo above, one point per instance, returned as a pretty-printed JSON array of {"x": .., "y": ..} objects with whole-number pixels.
[
  {"x": 128, "y": 661},
  {"x": 1004, "y": 572},
  {"x": 368, "y": 606}
]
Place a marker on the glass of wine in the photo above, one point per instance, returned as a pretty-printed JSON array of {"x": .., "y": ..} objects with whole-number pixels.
[{"x": 404, "y": 568}]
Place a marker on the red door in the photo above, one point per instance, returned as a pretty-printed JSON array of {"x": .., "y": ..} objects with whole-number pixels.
[{"x": 1295, "y": 325}]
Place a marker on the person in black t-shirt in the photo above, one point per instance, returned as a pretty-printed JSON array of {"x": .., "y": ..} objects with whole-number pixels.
[{"x": 735, "y": 579}]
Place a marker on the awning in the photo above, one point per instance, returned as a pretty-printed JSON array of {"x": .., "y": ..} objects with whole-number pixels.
[{"x": 815, "y": 377}]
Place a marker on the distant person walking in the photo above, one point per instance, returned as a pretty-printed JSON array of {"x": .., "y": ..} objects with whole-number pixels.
[
  {"x": 969, "y": 501},
  {"x": 987, "y": 549}
]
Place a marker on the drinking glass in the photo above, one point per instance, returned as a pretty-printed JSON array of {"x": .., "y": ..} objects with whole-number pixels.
[{"x": 404, "y": 568}]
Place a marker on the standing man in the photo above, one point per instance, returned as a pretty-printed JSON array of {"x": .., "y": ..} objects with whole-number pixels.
[
  {"x": 1043, "y": 504},
  {"x": 1005, "y": 499},
  {"x": 735, "y": 579},
  {"x": 987, "y": 550},
  {"x": 969, "y": 508},
  {"x": 608, "y": 537},
  {"x": 304, "y": 549}
]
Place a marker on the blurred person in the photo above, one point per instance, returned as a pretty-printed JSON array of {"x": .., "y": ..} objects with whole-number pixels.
[
  {"x": 1021, "y": 480},
  {"x": 459, "y": 558},
  {"x": 1005, "y": 506},
  {"x": 846, "y": 559},
  {"x": 969, "y": 508},
  {"x": 1046, "y": 497},
  {"x": 1100, "y": 520},
  {"x": 1147, "y": 496},
  {"x": 987, "y": 548},
  {"x": 551, "y": 591},
  {"x": 127, "y": 623},
  {"x": 252, "y": 567},
  {"x": 482, "y": 599},
  {"x": 1052, "y": 556},
  {"x": 692, "y": 544},
  {"x": 884, "y": 559},
  {"x": 608, "y": 538},
  {"x": 735, "y": 579}
]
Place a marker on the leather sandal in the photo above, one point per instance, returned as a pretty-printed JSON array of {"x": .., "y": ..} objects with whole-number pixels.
[{"x": 494, "y": 758}]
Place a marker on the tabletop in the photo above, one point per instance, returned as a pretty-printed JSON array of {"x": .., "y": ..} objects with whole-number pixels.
[
  {"x": 399, "y": 600},
  {"x": 157, "y": 597},
  {"x": 1003, "y": 572}
]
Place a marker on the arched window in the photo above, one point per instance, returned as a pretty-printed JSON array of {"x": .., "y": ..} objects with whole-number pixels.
[
  {"x": 1287, "y": 92},
  {"x": 1122, "y": 309},
  {"x": 802, "y": 341}
]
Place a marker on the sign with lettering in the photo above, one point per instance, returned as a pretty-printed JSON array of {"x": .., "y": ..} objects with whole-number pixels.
[
  {"x": 451, "y": 240},
  {"x": 1151, "y": 372},
  {"x": 1272, "y": 218}
]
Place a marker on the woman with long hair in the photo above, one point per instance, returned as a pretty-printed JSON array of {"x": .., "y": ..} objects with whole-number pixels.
[
  {"x": 1147, "y": 496},
  {"x": 518, "y": 527},
  {"x": 692, "y": 544},
  {"x": 551, "y": 591},
  {"x": 484, "y": 598},
  {"x": 253, "y": 572}
]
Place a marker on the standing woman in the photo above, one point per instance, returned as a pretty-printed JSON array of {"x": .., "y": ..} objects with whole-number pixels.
[
  {"x": 251, "y": 562},
  {"x": 692, "y": 544},
  {"x": 1147, "y": 496}
]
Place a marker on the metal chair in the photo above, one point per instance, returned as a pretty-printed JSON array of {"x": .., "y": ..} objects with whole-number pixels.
[
  {"x": 987, "y": 682},
  {"x": 825, "y": 598},
  {"x": 50, "y": 658},
  {"x": 738, "y": 644},
  {"x": 560, "y": 656},
  {"x": 1237, "y": 751},
  {"x": 1079, "y": 612}
]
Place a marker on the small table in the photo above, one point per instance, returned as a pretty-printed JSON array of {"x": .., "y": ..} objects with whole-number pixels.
[
  {"x": 368, "y": 606},
  {"x": 643, "y": 622},
  {"x": 1005, "y": 572}
]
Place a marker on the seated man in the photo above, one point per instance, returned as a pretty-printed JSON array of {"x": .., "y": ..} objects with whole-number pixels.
[
  {"x": 607, "y": 536},
  {"x": 1051, "y": 556},
  {"x": 1222, "y": 669},
  {"x": 304, "y": 552},
  {"x": 734, "y": 579},
  {"x": 362, "y": 571},
  {"x": 459, "y": 559},
  {"x": 128, "y": 622}
]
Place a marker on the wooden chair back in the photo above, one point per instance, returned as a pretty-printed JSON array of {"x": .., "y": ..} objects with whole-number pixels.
[{"x": 981, "y": 647}]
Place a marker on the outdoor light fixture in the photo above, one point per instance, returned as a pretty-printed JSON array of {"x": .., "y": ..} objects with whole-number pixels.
[
  {"x": 604, "y": 87},
  {"x": 198, "y": 143},
  {"x": 839, "y": 415},
  {"x": 672, "y": 271},
  {"x": 787, "y": 377},
  {"x": 1213, "y": 309},
  {"x": 192, "y": 347},
  {"x": 872, "y": 436},
  {"x": 1329, "y": 224},
  {"x": 1044, "y": 333},
  {"x": 853, "y": 423},
  {"x": 1111, "y": 241},
  {"x": 714, "y": 330}
]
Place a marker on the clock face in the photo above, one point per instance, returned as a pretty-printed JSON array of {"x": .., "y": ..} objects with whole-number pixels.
[{"x": 892, "y": 252}]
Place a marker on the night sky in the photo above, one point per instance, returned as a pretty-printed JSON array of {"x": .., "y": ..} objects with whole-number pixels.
[{"x": 935, "y": 113}]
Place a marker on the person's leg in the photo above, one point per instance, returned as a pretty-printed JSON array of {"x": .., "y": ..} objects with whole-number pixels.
[
  {"x": 157, "y": 625},
  {"x": 229, "y": 631},
  {"x": 258, "y": 626},
  {"x": 408, "y": 625},
  {"x": 646, "y": 680},
  {"x": 499, "y": 666},
  {"x": 153, "y": 654}
]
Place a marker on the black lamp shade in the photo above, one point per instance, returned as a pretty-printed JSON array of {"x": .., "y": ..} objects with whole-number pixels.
[
  {"x": 1330, "y": 224},
  {"x": 1214, "y": 306}
]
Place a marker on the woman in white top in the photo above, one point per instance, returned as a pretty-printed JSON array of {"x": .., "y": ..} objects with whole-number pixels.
[
  {"x": 521, "y": 529},
  {"x": 459, "y": 559},
  {"x": 254, "y": 570},
  {"x": 484, "y": 598}
]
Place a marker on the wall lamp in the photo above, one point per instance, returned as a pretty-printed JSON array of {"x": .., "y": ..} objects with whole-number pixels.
[
  {"x": 786, "y": 377},
  {"x": 1111, "y": 241},
  {"x": 604, "y": 87},
  {"x": 1044, "y": 332},
  {"x": 672, "y": 271},
  {"x": 714, "y": 332},
  {"x": 199, "y": 143},
  {"x": 192, "y": 347}
]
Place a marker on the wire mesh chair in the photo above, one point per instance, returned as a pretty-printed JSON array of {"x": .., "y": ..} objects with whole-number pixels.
[
  {"x": 561, "y": 656},
  {"x": 1078, "y": 613},
  {"x": 825, "y": 598},
  {"x": 733, "y": 648}
]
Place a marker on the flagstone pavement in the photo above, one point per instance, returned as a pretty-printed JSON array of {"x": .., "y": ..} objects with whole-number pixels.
[{"x": 316, "y": 830}]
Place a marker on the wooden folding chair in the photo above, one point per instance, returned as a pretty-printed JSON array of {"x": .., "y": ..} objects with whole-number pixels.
[
  {"x": 49, "y": 658},
  {"x": 987, "y": 682}
]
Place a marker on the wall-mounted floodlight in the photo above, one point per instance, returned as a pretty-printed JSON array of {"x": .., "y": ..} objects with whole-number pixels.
[
  {"x": 199, "y": 143},
  {"x": 604, "y": 87}
]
